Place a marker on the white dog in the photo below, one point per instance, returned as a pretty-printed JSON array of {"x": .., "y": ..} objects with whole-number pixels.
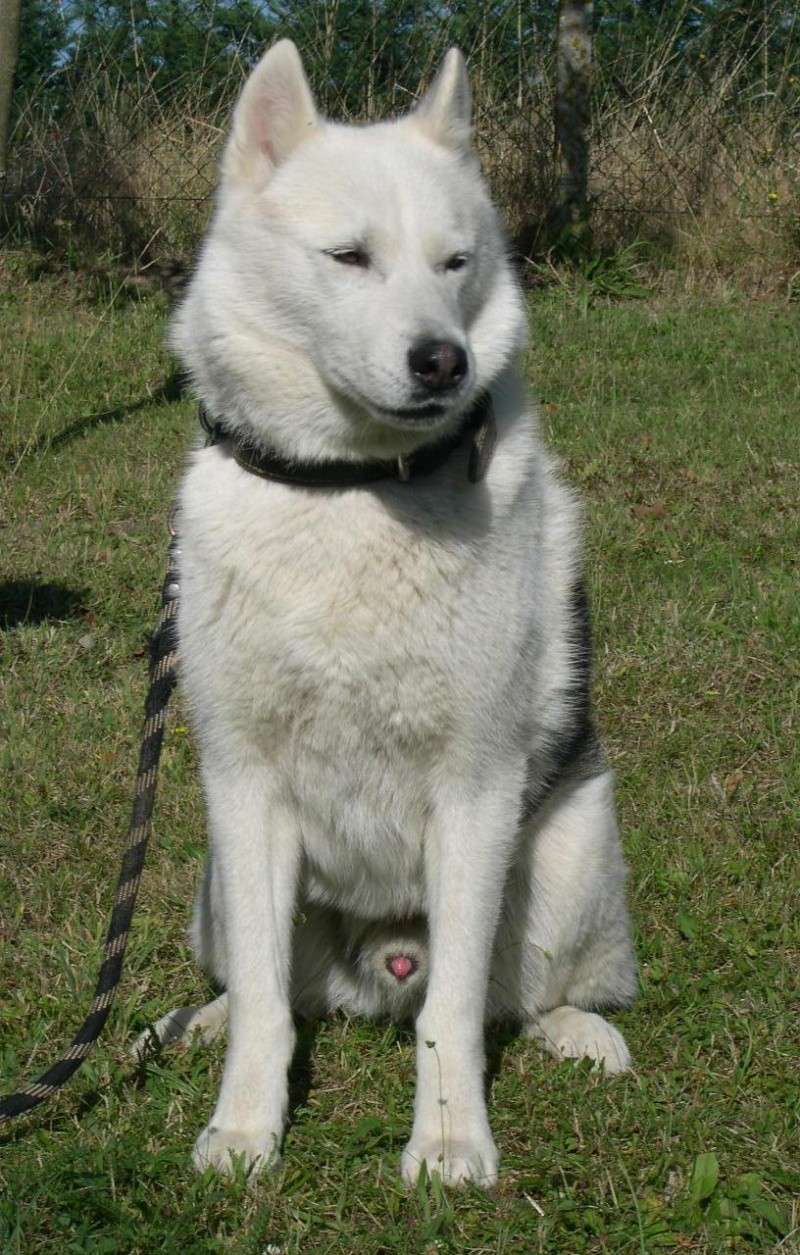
[{"x": 409, "y": 813}]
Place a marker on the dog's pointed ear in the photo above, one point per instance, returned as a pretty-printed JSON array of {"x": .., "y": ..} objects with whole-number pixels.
[
  {"x": 445, "y": 111},
  {"x": 274, "y": 113}
]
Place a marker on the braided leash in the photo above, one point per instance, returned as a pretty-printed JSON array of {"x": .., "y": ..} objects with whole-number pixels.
[{"x": 163, "y": 660}]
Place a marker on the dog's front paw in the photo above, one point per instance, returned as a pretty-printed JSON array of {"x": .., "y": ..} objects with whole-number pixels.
[
  {"x": 223, "y": 1148},
  {"x": 456, "y": 1161}
]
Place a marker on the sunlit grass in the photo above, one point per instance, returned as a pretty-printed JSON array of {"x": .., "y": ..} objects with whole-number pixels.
[{"x": 678, "y": 421}]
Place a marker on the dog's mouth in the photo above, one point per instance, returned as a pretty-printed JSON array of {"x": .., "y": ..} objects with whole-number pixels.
[{"x": 414, "y": 413}]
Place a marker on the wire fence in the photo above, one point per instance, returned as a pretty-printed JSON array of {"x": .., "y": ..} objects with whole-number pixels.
[{"x": 694, "y": 137}]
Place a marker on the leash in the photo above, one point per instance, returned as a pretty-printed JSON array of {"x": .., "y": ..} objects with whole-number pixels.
[{"x": 163, "y": 660}]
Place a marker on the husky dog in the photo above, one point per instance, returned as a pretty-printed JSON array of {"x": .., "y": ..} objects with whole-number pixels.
[{"x": 409, "y": 813}]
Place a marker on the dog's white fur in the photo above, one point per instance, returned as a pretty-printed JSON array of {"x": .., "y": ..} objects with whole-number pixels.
[{"x": 380, "y": 676}]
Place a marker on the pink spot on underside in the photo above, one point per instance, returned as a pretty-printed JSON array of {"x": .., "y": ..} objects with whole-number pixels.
[{"x": 401, "y": 966}]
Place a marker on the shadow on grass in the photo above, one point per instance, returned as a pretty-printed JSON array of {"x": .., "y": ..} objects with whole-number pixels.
[
  {"x": 30, "y": 602},
  {"x": 301, "y": 1072},
  {"x": 498, "y": 1039},
  {"x": 172, "y": 388}
]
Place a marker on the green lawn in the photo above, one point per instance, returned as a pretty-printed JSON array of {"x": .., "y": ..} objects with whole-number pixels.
[{"x": 679, "y": 422}]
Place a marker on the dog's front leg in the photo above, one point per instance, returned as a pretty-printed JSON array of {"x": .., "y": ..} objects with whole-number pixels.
[
  {"x": 255, "y": 844},
  {"x": 467, "y": 849}
]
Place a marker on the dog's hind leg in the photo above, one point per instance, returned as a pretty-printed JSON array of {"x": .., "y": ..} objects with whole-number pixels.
[
  {"x": 181, "y": 1025},
  {"x": 563, "y": 948}
]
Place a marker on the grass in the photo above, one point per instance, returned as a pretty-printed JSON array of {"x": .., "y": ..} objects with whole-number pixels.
[{"x": 678, "y": 421}]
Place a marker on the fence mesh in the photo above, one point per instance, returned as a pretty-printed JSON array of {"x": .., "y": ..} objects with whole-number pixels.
[{"x": 694, "y": 142}]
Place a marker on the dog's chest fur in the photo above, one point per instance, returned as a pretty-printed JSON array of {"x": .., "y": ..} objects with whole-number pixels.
[{"x": 349, "y": 649}]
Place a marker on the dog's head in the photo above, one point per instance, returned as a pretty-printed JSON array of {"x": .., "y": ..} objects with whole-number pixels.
[{"x": 354, "y": 275}]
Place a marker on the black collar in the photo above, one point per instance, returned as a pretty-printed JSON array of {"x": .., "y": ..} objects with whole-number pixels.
[{"x": 479, "y": 424}]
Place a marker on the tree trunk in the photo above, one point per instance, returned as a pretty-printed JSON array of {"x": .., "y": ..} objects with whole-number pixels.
[
  {"x": 9, "y": 50},
  {"x": 572, "y": 112}
]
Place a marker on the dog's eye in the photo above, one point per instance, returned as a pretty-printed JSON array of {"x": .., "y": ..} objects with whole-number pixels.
[
  {"x": 457, "y": 262},
  {"x": 349, "y": 256}
]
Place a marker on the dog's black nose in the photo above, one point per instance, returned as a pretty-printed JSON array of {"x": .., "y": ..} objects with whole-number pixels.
[{"x": 438, "y": 365}]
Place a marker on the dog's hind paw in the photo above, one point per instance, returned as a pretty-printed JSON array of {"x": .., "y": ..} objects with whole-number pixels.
[
  {"x": 181, "y": 1025},
  {"x": 569, "y": 1033}
]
